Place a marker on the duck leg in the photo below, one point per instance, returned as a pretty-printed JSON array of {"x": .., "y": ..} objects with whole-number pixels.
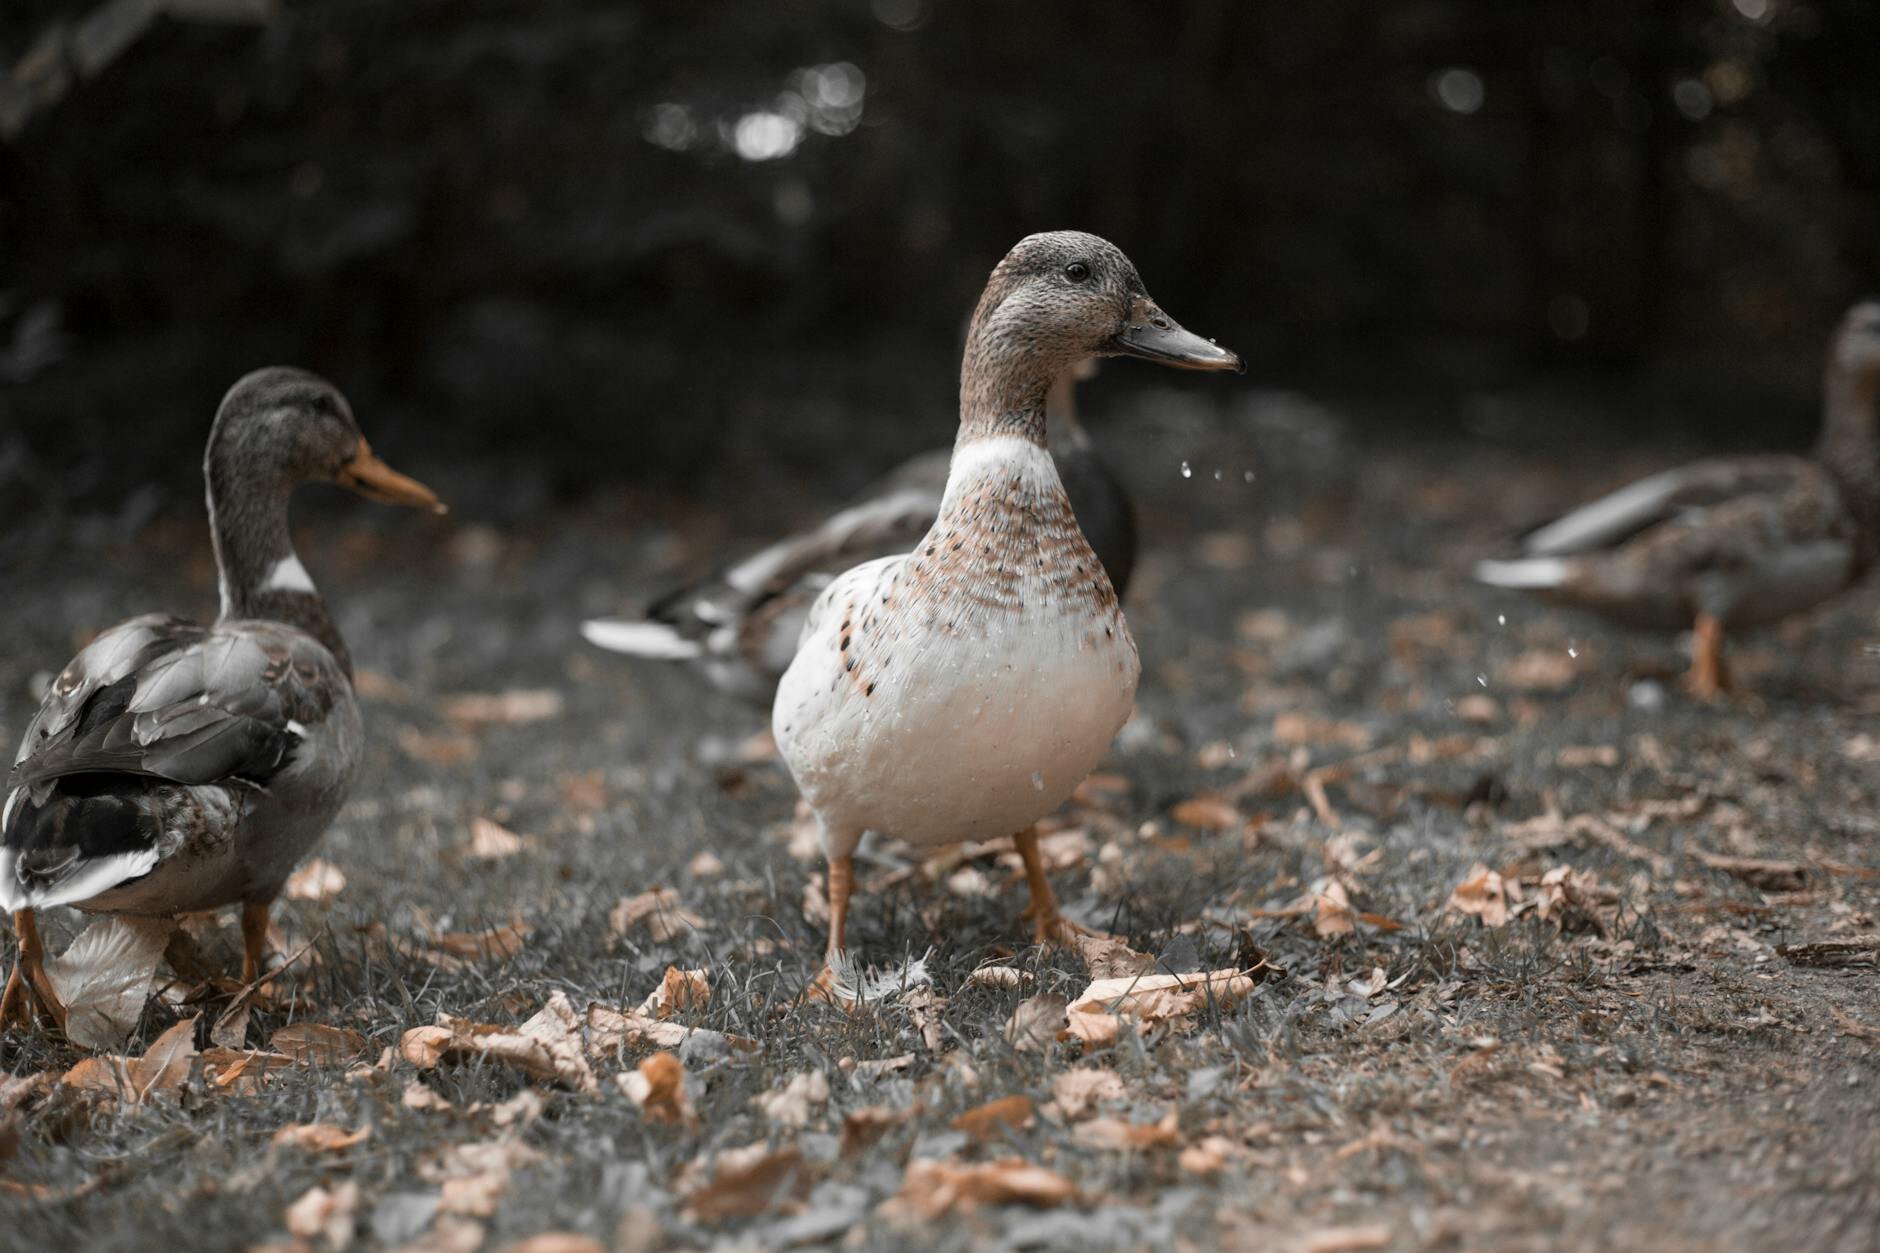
[
  {"x": 1047, "y": 924},
  {"x": 30, "y": 986},
  {"x": 1707, "y": 678},
  {"x": 254, "y": 938},
  {"x": 841, "y": 884}
]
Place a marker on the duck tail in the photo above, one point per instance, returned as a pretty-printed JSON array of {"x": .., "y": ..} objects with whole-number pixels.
[
  {"x": 1524, "y": 573},
  {"x": 73, "y": 847},
  {"x": 641, "y": 639}
]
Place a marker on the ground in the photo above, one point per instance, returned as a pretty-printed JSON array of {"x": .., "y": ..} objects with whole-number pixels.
[{"x": 1513, "y": 983}]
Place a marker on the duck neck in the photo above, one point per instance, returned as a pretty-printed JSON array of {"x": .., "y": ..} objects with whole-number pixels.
[
  {"x": 1005, "y": 386},
  {"x": 259, "y": 574},
  {"x": 1850, "y": 441}
]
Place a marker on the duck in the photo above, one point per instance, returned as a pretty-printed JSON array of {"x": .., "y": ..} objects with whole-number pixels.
[
  {"x": 962, "y": 689},
  {"x": 1728, "y": 542},
  {"x": 174, "y": 766},
  {"x": 739, "y": 625}
]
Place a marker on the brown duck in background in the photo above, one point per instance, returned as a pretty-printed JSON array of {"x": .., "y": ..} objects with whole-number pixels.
[
  {"x": 740, "y": 625},
  {"x": 1731, "y": 541},
  {"x": 174, "y": 767}
]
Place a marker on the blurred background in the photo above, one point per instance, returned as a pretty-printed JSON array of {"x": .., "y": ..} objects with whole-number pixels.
[{"x": 597, "y": 242}]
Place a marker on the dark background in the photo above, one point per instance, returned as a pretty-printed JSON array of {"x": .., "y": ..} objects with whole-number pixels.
[{"x": 527, "y": 232}]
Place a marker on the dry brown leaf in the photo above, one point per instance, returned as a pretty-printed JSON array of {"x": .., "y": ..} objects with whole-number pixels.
[
  {"x": 1307, "y": 729},
  {"x": 473, "y": 710},
  {"x": 474, "y": 1177},
  {"x": 164, "y": 1067},
  {"x": 863, "y": 1126},
  {"x": 1860, "y": 950},
  {"x": 1209, "y": 1156},
  {"x": 318, "y": 881},
  {"x": 476, "y": 1196},
  {"x": 323, "y": 1215},
  {"x": 706, "y": 865},
  {"x": 995, "y": 976},
  {"x": 1347, "y": 1239},
  {"x": 557, "y": 1242},
  {"x": 103, "y": 979},
  {"x": 443, "y": 751},
  {"x": 1483, "y": 894},
  {"x": 1161, "y": 998},
  {"x": 659, "y": 1088},
  {"x": 1538, "y": 670},
  {"x": 932, "y": 1188},
  {"x": 1581, "y": 756},
  {"x": 790, "y": 1105},
  {"x": 1758, "y": 872},
  {"x": 1077, "y": 1092},
  {"x": 658, "y": 911},
  {"x": 1097, "y": 1030},
  {"x": 1035, "y": 1023},
  {"x": 548, "y": 1046},
  {"x": 1208, "y": 812},
  {"x": 492, "y": 841},
  {"x": 238, "y": 1069},
  {"x": 750, "y": 1183},
  {"x": 1331, "y": 909},
  {"x": 1107, "y": 956},
  {"x": 993, "y": 1119},
  {"x": 317, "y": 1044},
  {"x": 678, "y": 990},
  {"x": 492, "y": 942},
  {"x": 319, "y": 1137},
  {"x": 1852, "y": 1026},
  {"x": 1117, "y": 1133}
]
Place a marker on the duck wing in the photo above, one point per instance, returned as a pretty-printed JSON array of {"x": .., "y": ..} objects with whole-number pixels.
[
  {"x": 154, "y": 702},
  {"x": 741, "y": 624},
  {"x": 1620, "y": 515}
]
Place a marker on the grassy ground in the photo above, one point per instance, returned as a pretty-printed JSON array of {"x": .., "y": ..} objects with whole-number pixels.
[{"x": 1335, "y": 732}]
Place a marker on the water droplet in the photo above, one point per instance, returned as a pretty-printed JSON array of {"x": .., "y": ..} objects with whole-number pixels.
[
  {"x": 1573, "y": 653},
  {"x": 1482, "y": 679},
  {"x": 1217, "y": 476},
  {"x": 1187, "y": 471},
  {"x": 1037, "y": 781},
  {"x": 1247, "y": 477},
  {"x": 1501, "y": 619}
]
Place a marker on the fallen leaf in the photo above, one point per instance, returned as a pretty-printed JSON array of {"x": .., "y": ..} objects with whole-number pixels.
[
  {"x": 1306, "y": 729},
  {"x": 492, "y": 942},
  {"x": 492, "y": 841},
  {"x": 557, "y": 1242},
  {"x": 419, "y": 1096},
  {"x": 1116, "y": 1133},
  {"x": 993, "y": 1119},
  {"x": 474, "y": 1177},
  {"x": 103, "y": 979},
  {"x": 317, "y": 881},
  {"x": 164, "y": 1067},
  {"x": 1096, "y": 1029},
  {"x": 790, "y": 1104},
  {"x": 930, "y": 1189},
  {"x": 1331, "y": 909},
  {"x": 678, "y": 990},
  {"x": 474, "y": 710},
  {"x": 1482, "y": 894},
  {"x": 1862, "y": 950},
  {"x": 443, "y": 751},
  {"x": 317, "y": 1044},
  {"x": 1758, "y": 872},
  {"x": 1208, "y": 1157},
  {"x": 319, "y": 1137},
  {"x": 548, "y": 1046},
  {"x": 1580, "y": 756},
  {"x": 1035, "y": 1023},
  {"x": 863, "y": 1126},
  {"x": 659, "y": 1089},
  {"x": 998, "y": 977},
  {"x": 1852, "y": 1026},
  {"x": 746, "y": 1185},
  {"x": 1208, "y": 812},
  {"x": 1077, "y": 1092},
  {"x": 323, "y": 1215},
  {"x": 705, "y": 865},
  {"x": 1162, "y": 998},
  {"x": 1538, "y": 670},
  {"x": 658, "y": 911}
]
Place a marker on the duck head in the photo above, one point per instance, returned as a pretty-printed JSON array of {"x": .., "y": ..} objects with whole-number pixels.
[
  {"x": 280, "y": 427},
  {"x": 1056, "y": 300}
]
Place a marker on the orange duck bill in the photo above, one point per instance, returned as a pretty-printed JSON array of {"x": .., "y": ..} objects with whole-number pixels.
[{"x": 375, "y": 480}]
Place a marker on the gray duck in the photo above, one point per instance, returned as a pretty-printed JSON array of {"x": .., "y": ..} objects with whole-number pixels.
[
  {"x": 175, "y": 767},
  {"x": 740, "y": 624},
  {"x": 1728, "y": 542}
]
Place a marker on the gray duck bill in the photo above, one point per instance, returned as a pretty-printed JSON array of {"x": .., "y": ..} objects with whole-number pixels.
[{"x": 1154, "y": 336}]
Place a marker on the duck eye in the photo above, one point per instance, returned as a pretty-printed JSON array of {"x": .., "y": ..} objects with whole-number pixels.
[{"x": 1076, "y": 271}]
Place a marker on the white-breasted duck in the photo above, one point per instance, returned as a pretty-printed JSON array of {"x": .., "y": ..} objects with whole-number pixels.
[
  {"x": 962, "y": 690},
  {"x": 174, "y": 767},
  {"x": 740, "y": 624},
  {"x": 1730, "y": 541}
]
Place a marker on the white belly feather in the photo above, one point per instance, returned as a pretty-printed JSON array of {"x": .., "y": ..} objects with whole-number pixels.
[{"x": 964, "y": 690}]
